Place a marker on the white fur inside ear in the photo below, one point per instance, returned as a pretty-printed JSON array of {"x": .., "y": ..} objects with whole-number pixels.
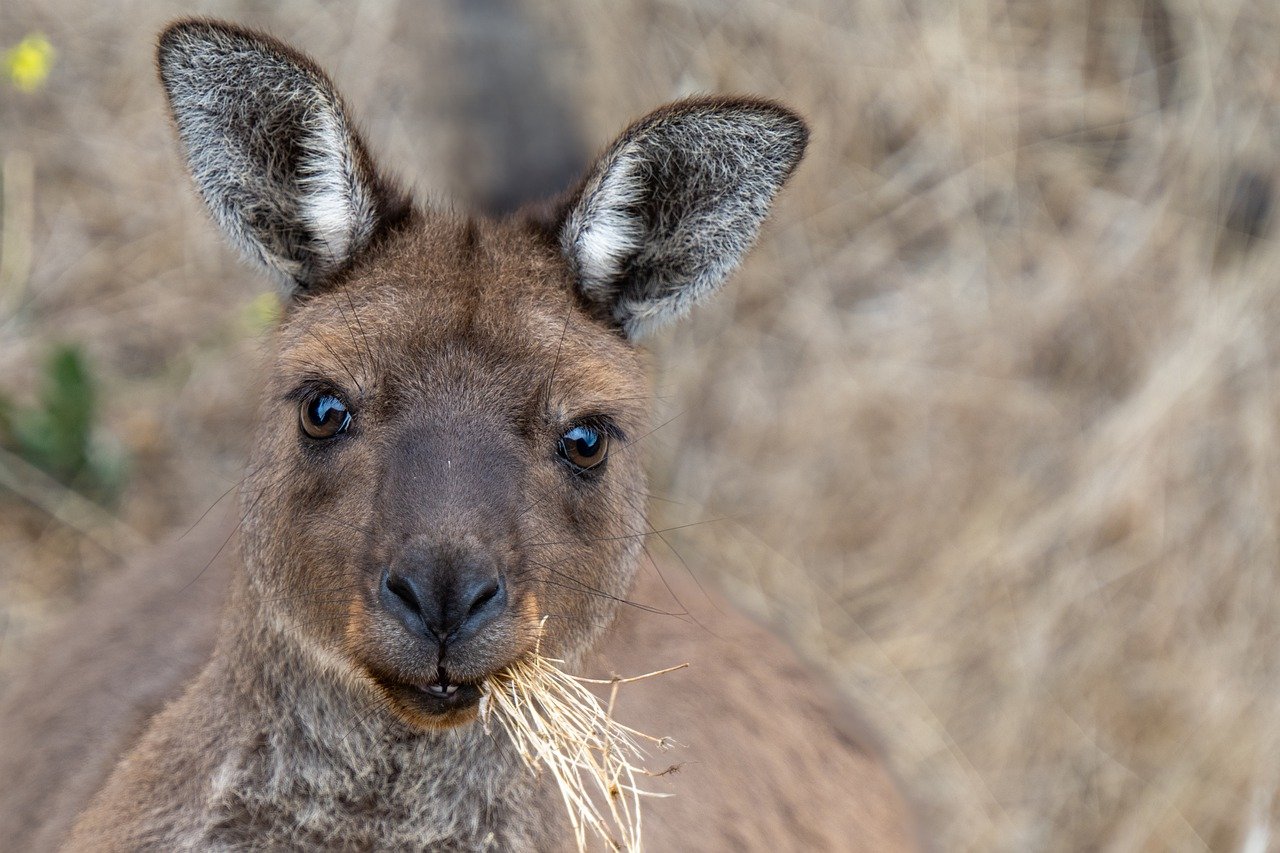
[
  {"x": 675, "y": 205},
  {"x": 334, "y": 201},
  {"x": 603, "y": 231}
]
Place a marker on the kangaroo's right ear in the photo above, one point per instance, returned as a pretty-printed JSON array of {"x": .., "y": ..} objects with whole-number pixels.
[{"x": 273, "y": 151}]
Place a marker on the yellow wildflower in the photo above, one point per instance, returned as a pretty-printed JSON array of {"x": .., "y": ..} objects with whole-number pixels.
[{"x": 28, "y": 62}]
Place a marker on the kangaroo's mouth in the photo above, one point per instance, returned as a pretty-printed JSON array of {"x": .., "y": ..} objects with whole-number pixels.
[
  {"x": 449, "y": 696},
  {"x": 439, "y": 703}
]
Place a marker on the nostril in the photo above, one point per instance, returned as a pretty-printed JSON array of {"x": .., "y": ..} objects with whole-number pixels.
[
  {"x": 484, "y": 596},
  {"x": 403, "y": 590},
  {"x": 402, "y": 596}
]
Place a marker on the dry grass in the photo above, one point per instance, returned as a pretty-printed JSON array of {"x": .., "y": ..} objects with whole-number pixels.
[
  {"x": 560, "y": 727},
  {"x": 993, "y": 407}
]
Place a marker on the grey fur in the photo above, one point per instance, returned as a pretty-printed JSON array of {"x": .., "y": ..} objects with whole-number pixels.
[
  {"x": 272, "y": 151},
  {"x": 674, "y": 205},
  {"x": 306, "y": 763}
]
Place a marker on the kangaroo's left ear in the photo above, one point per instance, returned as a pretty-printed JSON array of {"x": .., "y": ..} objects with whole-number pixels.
[{"x": 675, "y": 203}]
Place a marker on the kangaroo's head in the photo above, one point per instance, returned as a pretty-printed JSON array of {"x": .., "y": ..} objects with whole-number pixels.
[{"x": 446, "y": 467}]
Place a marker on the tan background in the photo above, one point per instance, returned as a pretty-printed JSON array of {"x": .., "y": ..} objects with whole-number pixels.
[{"x": 987, "y": 426}]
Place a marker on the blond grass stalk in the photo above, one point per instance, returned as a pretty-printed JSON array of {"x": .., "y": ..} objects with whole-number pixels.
[{"x": 558, "y": 725}]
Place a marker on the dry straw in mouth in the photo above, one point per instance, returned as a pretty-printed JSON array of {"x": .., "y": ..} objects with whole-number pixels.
[{"x": 559, "y": 725}]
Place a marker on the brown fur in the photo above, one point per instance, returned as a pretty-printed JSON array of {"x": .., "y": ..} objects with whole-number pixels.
[
  {"x": 776, "y": 769},
  {"x": 464, "y": 350}
]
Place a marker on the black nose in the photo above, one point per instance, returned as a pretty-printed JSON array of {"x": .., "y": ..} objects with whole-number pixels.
[{"x": 448, "y": 600}]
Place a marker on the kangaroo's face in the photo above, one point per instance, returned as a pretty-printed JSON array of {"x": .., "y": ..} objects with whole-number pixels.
[
  {"x": 445, "y": 465},
  {"x": 446, "y": 472}
]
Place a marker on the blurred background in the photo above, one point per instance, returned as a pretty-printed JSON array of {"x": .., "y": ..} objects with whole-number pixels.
[{"x": 987, "y": 426}]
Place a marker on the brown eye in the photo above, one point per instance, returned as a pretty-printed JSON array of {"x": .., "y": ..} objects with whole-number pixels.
[
  {"x": 324, "y": 416},
  {"x": 584, "y": 447}
]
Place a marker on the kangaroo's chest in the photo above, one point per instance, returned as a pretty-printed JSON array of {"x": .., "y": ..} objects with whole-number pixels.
[{"x": 464, "y": 794}]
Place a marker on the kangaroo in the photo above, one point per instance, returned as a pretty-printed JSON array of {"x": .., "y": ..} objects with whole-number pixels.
[{"x": 446, "y": 475}]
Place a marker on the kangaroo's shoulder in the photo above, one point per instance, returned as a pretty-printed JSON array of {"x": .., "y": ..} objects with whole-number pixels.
[
  {"x": 99, "y": 675},
  {"x": 768, "y": 754}
]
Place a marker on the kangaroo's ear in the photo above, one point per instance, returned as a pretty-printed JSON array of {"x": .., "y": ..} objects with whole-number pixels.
[
  {"x": 675, "y": 203},
  {"x": 273, "y": 151}
]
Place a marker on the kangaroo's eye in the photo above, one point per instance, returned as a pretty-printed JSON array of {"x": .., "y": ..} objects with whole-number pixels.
[
  {"x": 324, "y": 416},
  {"x": 584, "y": 447}
]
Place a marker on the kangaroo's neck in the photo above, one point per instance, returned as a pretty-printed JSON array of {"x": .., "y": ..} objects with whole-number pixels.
[{"x": 316, "y": 760}]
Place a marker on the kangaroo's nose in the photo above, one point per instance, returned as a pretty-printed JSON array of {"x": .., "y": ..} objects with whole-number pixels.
[{"x": 448, "y": 600}]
